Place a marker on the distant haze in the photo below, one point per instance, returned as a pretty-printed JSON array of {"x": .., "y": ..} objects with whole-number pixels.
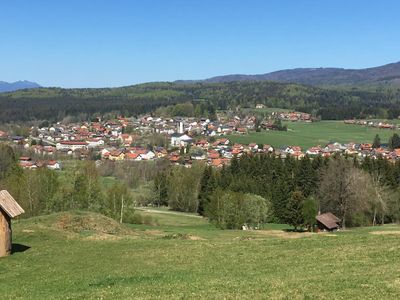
[
  {"x": 18, "y": 85},
  {"x": 387, "y": 74},
  {"x": 384, "y": 75}
]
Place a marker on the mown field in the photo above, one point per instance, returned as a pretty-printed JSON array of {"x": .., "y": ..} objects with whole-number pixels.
[
  {"x": 87, "y": 256},
  {"x": 313, "y": 134}
]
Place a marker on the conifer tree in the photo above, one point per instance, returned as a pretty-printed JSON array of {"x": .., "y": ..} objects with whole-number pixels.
[
  {"x": 377, "y": 142},
  {"x": 294, "y": 210}
]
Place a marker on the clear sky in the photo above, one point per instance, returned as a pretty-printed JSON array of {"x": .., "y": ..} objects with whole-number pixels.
[{"x": 96, "y": 43}]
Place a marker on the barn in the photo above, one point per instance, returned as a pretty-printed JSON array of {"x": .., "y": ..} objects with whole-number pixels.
[
  {"x": 9, "y": 209},
  {"x": 328, "y": 222}
]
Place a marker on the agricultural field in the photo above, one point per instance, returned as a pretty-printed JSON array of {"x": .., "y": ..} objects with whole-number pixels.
[
  {"x": 313, "y": 134},
  {"x": 80, "y": 255},
  {"x": 266, "y": 110}
]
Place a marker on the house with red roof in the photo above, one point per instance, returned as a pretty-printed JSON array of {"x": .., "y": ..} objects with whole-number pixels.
[{"x": 71, "y": 145}]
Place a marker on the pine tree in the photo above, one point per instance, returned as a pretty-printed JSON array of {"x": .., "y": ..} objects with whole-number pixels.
[
  {"x": 205, "y": 190},
  {"x": 294, "y": 210},
  {"x": 377, "y": 142},
  {"x": 309, "y": 212},
  {"x": 394, "y": 142},
  {"x": 305, "y": 178}
]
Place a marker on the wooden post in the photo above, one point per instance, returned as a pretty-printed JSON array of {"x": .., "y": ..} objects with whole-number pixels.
[
  {"x": 5, "y": 234},
  {"x": 122, "y": 209}
]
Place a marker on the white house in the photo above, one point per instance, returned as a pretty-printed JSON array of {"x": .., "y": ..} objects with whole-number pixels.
[
  {"x": 94, "y": 143},
  {"x": 147, "y": 156},
  {"x": 71, "y": 145},
  {"x": 180, "y": 140}
]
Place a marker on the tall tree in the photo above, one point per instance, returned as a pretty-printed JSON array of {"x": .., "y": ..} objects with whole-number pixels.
[
  {"x": 343, "y": 190},
  {"x": 377, "y": 142},
  {"x": 160, "y": 189},
  {"x": 294, "y": 210},
  {"x": 309, "y": 211},
  {"x": 8, "y": 160},
  {"x": 394, "y": 142},
  {"x": 119, "y": 201}
]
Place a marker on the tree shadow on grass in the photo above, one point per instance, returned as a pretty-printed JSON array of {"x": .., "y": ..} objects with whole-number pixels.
[
  {"x": 297, "y": 230},
  {"x": 19, "y": 248}
]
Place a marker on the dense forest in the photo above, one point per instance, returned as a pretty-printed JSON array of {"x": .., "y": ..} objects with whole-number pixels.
[{"x": 55, "y": 104}]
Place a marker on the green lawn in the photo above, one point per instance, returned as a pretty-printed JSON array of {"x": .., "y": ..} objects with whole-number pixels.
[
  {"x": 98, "y": 259},
  {"x": 312, "y": 134}
]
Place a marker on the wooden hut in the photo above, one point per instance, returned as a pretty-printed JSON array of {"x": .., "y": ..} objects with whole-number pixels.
[
  {"x": 328, "y": 222},
  {"x": 9, "y": 209}
]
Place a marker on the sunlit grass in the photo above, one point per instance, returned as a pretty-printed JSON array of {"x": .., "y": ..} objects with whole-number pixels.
[
  {"x": 186, "y": 257},
  {"x": 313, "y": 134}
]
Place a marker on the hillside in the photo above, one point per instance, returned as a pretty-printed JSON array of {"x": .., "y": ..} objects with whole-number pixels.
[
  {"x": 51, "y": 261},
  {"x": 18, "y": 85},
  {"x": 56, "y": 103},
  {"x": 383, "y": 75}
]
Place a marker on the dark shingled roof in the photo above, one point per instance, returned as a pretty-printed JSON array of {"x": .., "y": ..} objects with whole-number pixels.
[{"x": 329, "y": 220}]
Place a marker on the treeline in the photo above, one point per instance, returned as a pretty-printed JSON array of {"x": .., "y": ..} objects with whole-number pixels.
[
  {"x": 292, "y": 191},
  {"x": 199, "y": 109},
  {"x": 55, "y": 104},
  {"x": 78, "y": 188},
  {"x": 252, "y": 190}
]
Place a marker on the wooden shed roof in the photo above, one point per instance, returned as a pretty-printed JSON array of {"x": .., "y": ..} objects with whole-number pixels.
[
  {"x": 329, "y": 220},
  {"x": 9, "y": 205}
]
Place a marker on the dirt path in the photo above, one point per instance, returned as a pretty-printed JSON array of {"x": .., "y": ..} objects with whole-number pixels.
[{"x": 145, "y": 209}]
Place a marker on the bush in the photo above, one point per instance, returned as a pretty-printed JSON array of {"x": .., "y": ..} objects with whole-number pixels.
[{"x": 138, "y": 218}]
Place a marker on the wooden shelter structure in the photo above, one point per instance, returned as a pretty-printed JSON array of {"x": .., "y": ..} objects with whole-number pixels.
[
  {"x": 9, "y": 209},
  {"x": 328, "y": 222}
]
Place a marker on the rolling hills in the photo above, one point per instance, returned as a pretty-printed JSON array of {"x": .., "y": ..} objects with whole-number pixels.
[
  {"x": 331, "y": 104},
  {"x": 383, "y": 75}
]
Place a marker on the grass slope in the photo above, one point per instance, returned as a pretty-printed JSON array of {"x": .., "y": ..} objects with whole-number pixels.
[
  {"x": 312, "y": 134},
  {"x": 192, "y": 259}
]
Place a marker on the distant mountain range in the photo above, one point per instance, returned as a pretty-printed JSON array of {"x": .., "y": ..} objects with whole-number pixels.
[
  {"x": 388, "y": 75},
  {"x": 18, "y": 85}
]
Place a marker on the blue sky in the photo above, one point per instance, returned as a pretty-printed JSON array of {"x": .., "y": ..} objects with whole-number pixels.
[{"x": 95, "y": 43}]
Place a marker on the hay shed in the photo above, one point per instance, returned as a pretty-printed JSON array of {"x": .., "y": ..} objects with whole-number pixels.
[
  {"x": 328, "y": 222},
  {"x": 9, "y": 209}
]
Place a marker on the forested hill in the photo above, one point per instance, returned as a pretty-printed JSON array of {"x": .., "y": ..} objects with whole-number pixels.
[
  {"x": 56, "y": 103},
  {"x": 384, "y": 75}
]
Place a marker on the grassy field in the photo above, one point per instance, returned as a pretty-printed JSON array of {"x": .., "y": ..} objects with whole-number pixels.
[
  {"x": 312, "y": 134},
  {"x": 267, "y": 110},
  {"x": 87, "y": 256}
]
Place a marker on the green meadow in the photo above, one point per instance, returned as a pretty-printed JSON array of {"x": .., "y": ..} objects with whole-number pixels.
[
  {"x": 313, "y": 134},
  {"x": 87, "y": 256}
]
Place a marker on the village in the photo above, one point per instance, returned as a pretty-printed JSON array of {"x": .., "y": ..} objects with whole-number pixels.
[{"x": 181, "y": 140}]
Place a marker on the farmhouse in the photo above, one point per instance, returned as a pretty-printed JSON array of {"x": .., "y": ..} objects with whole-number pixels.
[{"x": 9, "y": 209}]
